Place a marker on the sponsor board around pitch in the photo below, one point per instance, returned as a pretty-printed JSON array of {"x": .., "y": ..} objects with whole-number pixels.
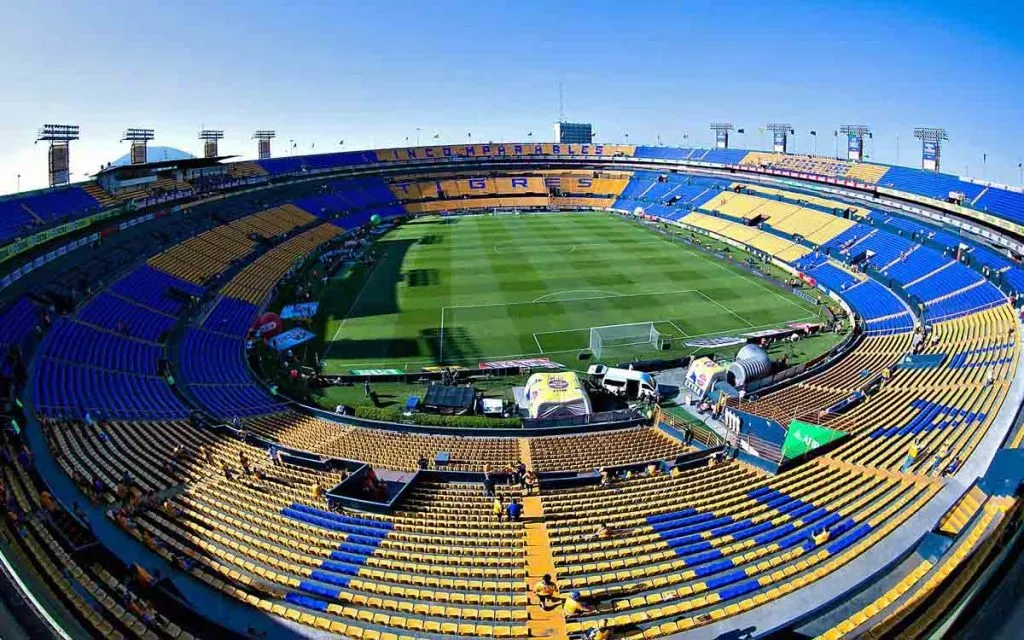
[
  {"x": 378, "y": 372},
  {"x": 301, "y": 311},
  {"x": 718, "y": 341},
  {"x": 290, "y": 338},
  {"x": 531, "y": 363}
]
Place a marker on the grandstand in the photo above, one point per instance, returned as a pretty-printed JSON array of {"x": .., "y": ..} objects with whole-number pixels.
[{"x": 142, "y": 411}]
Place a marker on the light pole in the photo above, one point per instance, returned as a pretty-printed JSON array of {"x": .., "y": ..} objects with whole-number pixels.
[
  {"x": 897, "y": 149},
  {"x": 19, "y": 184},
  {"x": 417, "y": 136}
]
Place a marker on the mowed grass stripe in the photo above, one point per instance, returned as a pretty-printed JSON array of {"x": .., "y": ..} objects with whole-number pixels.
[{"x": 436, "y": 264}]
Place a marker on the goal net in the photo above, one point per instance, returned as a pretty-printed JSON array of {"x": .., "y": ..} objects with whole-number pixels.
[{"x": 622, "y": 335}]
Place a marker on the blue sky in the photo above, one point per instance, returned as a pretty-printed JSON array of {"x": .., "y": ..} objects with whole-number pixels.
[{"x": 372, "y": 73}]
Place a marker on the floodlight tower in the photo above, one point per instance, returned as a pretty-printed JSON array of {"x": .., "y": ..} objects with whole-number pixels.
[
  {"x": 931, "y": 146},
  {"x": 210, "y": 138},
  {"x": 263, "y": 138},
  {"x": 721, "y": 130},
  {"x": 780, "y": 135},
  {"x": 58, "y": 158},
  {"x": 139, "y": 138},
  {"x": 855, "y": 140}
]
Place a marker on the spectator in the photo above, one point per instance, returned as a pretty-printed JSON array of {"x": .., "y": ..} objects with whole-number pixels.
[
  {"x": 820, "y": 536},
  {"x": 938, "y": 458},
  {"x": 912, "y": 451},
  {"x": 574, "y": 605},
  {"x": 600, "y": 632},
  {"x": 422, "y": 462},
  {"x": 951, "y": 468},
  {"x": 602, "y": 532},
  {"x": 545, "y": 590},
  {"x": 499, "y": 508},
  {"x": 514, "y": 510},
  {"x": 531, "y": 481},
  {"x": 488, "y": 485}
]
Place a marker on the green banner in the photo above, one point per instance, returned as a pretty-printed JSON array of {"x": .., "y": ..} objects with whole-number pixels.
[
  {"x": 377, "y": 372},
  {"x": 804, "y": 436}
]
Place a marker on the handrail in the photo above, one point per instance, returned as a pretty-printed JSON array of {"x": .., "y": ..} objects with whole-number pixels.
[{"x": 29, "y": 597}]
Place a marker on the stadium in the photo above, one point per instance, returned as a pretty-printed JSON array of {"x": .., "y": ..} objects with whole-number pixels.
[{"x": 521, "y": 389}]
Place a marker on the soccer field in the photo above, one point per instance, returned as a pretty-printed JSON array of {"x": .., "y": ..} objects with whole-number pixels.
[{"x": 467, "y": 289}]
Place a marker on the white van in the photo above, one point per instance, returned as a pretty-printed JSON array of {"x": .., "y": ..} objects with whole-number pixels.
[{"x": 633, "y": 384}]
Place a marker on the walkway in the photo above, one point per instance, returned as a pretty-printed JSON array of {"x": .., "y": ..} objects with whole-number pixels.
[{"x": 542, "y": 624}]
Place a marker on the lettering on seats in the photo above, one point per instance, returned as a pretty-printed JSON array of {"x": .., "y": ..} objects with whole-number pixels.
[
  {"x": 519, "y": 182},
  {"x": 478, "y": 183}
]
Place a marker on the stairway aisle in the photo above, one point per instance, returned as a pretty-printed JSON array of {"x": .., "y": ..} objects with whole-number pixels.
[{"x": 542, "y": 624}]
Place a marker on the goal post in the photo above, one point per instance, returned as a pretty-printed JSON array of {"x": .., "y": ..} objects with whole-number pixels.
[{"x": 622, "y": 335}]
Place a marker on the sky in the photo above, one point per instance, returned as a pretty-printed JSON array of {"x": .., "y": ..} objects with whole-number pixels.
[{"x": 374, "y": 74}]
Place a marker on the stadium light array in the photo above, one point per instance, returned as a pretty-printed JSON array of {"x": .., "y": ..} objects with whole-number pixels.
[
  {"x": 58, "y": 133},
  {"x": 58, "y": 155},
  {"x": 210, "y": 138},
  {"x": 134, "y": 134},
  {"x": 778, "y": 129},
  {"x": 931, "y": 134},
  {"x": 721, "y": 130}
]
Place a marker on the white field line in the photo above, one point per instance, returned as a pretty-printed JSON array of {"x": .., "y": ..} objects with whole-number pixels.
[
  {"x": 440, "y": 347},
  {"x": 555, "y": 293},
  {"x": 747, "y": 277},
  {"x": 535, "y": 339},
  {"x": 572, "y": 247},
  {"x": 676, "y": 327},
  {"x": 608, "y": 296},
  {"x": 511, "y": 356},
  {"x": 699, "y": 335},
  {"x": 741, "y": 318},
  {"x": 355, "y": 303}
]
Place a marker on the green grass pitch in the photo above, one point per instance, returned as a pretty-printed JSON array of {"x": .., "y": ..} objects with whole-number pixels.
[{"x": 486, "y": 287}]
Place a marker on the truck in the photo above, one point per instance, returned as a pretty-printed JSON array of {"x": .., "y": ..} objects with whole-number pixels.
[{"x": 629, "y": 382}]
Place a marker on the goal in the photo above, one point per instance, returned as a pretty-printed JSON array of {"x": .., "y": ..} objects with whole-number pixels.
[{"x": 622, "y": 335}]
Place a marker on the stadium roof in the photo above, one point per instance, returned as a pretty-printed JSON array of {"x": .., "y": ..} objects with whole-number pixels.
[{"x": 183, "y": 163}]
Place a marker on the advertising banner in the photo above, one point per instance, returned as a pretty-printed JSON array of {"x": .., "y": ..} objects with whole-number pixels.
[
  {"x": 378, "y": 372},
  {"x": 302, "y": 311},
  {"x": 531, "y": 363},
  {"x": 804, "y": 437},
  {"x": 290, "y": 338}
]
